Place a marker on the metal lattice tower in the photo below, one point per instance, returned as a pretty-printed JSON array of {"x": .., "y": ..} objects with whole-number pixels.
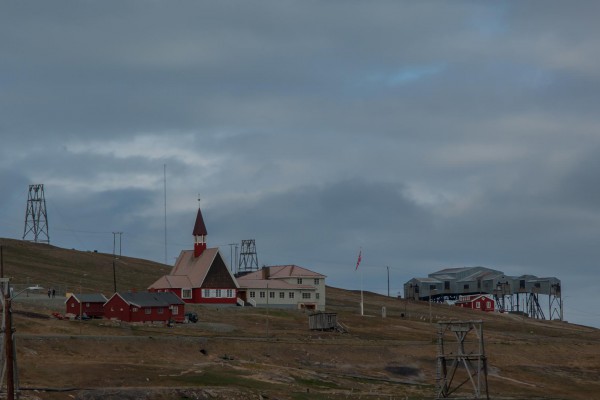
[
  {"x": 248, "y": 257},
  {"x": 36, "y": 218},
  {"x": 463, "y": 364}
]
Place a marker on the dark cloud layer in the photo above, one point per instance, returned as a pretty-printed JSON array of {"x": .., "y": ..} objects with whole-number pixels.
[{"x": 428, "y": 134}]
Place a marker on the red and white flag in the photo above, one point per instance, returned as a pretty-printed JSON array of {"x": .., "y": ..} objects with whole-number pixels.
[{"x": 359, "y": 259}]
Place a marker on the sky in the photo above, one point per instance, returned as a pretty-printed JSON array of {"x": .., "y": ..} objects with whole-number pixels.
[{"x": 425, "y": 134}]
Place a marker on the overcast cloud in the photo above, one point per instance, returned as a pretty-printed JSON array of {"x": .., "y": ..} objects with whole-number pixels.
[{"x": 430, "y": 134}]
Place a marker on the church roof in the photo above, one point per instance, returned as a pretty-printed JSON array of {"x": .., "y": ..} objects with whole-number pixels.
[
  {"x": 189, "y": 271},
  {"x": 199, "y": 227},
  {"x": 283, "y": 272}
]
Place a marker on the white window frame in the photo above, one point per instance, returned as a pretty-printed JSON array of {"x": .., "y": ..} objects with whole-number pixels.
[
  {"x": 306, "y": 295},
  {"x": 184, "y": 291}
]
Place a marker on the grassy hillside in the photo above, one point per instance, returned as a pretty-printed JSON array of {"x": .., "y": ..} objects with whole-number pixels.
[
  {"x": 250, "y": 353},
  {"x": 68, "y": 270}
]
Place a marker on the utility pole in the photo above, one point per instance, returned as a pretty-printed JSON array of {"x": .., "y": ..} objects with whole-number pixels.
[
  {"x": 388, "y": 270},
  {"x": 114, "y": 275},
  {"x": 267, "y": 310},
  {"x": 9, "y": 349},
  {"x": 231, "y": 257},
  {"x": 115, "y": 257},
  {"x": 115, "y": 243},
  {"x": 430, "y": 319},
  {"x": 165, "y": 195}
]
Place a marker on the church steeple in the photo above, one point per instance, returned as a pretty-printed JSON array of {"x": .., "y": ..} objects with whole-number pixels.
[{"x": 199, "y": 233}]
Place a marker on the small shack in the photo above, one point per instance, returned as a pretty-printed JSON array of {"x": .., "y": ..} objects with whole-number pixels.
[
  {"x": 322, "y": 321},
  {"x": 87, "y": 304}
]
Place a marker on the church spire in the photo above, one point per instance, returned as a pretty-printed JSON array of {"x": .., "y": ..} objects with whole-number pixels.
[{"x": 199, "y": 233}]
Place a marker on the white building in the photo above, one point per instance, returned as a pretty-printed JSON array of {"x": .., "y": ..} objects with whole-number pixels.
[{"x": 283, "y": 286}]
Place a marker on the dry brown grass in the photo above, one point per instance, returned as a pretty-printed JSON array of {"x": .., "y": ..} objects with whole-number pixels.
[{"x": 245, "y": 353}]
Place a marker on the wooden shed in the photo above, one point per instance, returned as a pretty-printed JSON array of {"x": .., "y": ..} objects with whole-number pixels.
[{"x": 323, "y": 321}]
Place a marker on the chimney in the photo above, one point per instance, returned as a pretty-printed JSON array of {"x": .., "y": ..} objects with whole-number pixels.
[{"x": 266, "y": 272}]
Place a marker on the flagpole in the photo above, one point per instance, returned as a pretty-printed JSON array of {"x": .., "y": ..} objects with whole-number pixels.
[
  {"x": 361, "y": 281},
  {"x": 362, "y": 307}
]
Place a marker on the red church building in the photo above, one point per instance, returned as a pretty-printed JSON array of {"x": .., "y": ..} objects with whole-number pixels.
[
  {"x": 200, "y": 275},
  {"x": 476, "y": 302}
]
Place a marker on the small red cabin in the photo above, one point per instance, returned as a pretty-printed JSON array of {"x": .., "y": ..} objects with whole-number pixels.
[
  {"x": 145, "y": 307},
  {"x": 476, "y": 302},
  {"x": 87, "y": 304}
]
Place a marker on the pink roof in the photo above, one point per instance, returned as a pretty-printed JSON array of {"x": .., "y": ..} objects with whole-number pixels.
[
  {"x": 189, "y": 271},
  {"x": 283, "y": 272},
  {"x": 169, "y": 281}
]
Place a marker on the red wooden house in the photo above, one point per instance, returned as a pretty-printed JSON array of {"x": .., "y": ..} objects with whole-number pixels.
[
  {"x": 145, "y": 307},
  {"x": 476, "y": 302},
  {"x": 88, "y": 304},
  {"x": 199, "y": 275}
]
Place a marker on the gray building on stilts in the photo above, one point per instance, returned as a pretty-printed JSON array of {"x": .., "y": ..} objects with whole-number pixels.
[{"x": 516, "y": 294}]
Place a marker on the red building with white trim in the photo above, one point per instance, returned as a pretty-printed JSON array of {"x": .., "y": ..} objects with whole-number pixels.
[
  {"x": 88, "y": 304},
  {"x": 476, "y": 302},
  {"x": 145, "y": 307}
]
